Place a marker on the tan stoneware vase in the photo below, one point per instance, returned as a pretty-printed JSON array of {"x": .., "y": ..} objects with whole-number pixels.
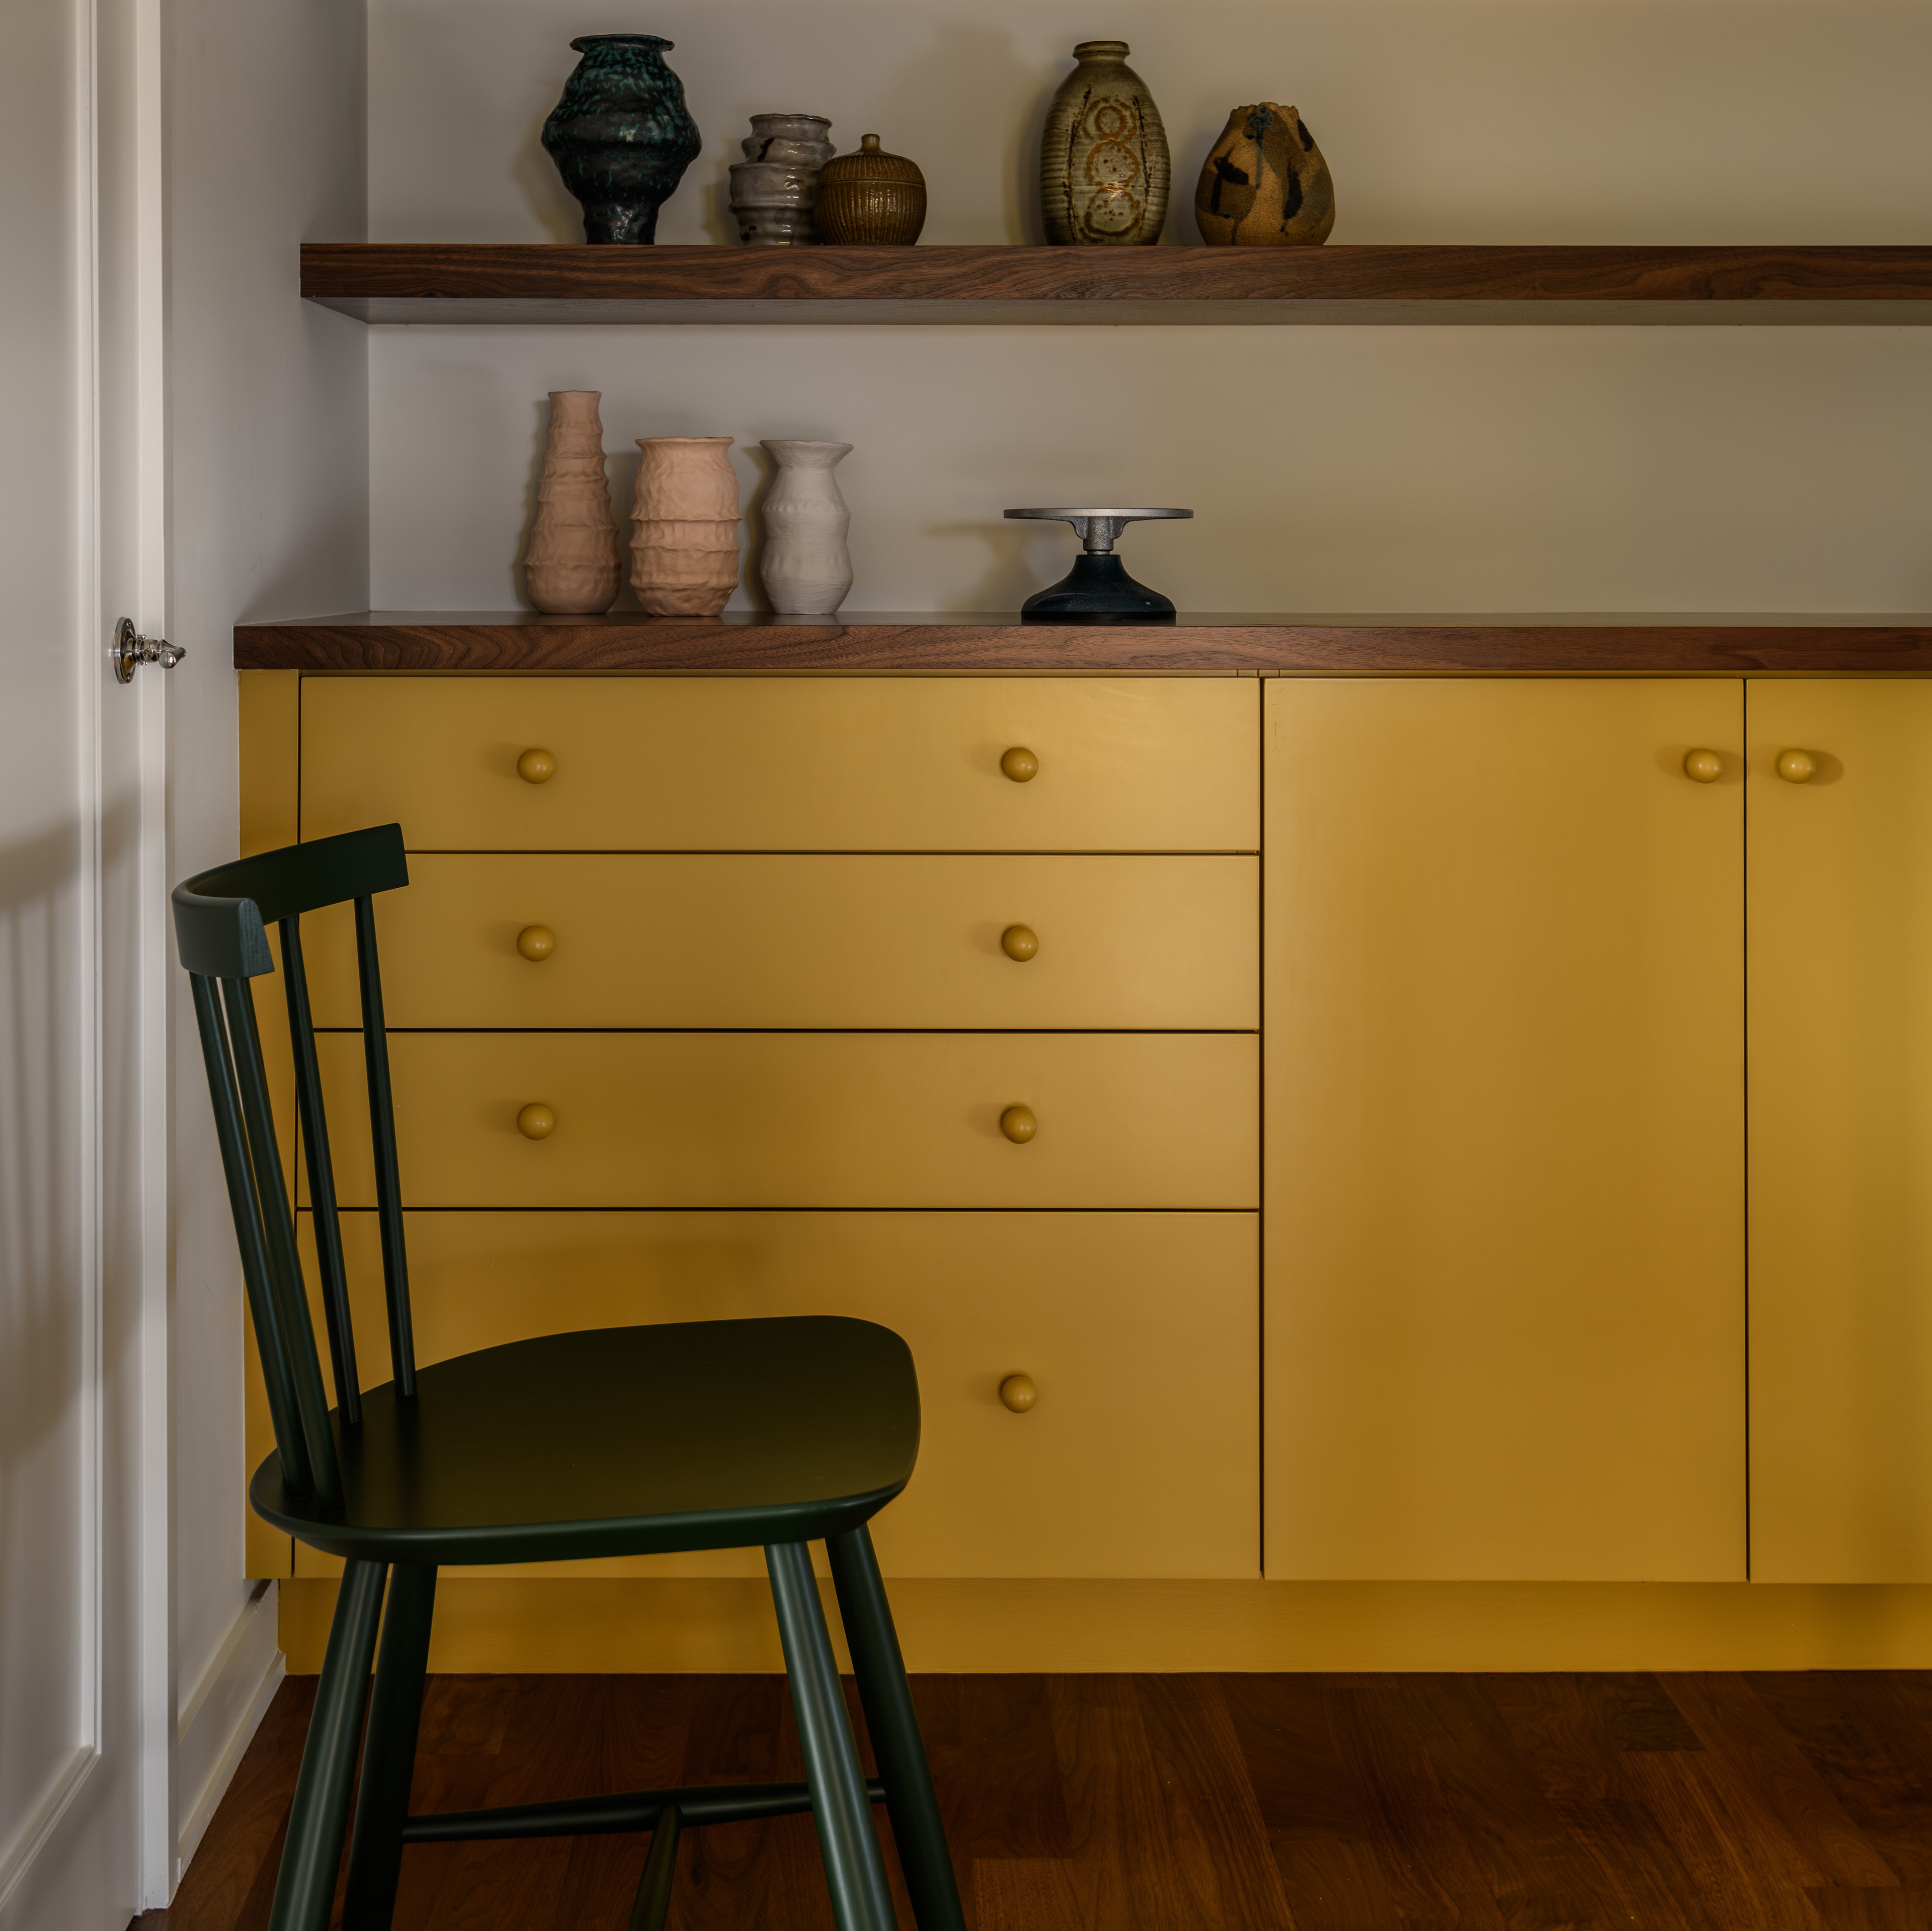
[
  {"x": 571, "y": 567},
  {"x": 870, "y": 199},
  {"x": 1103, "y": 161},
  {"x": 684, "y": 551},
  {"x": 1264, "y": 184}
]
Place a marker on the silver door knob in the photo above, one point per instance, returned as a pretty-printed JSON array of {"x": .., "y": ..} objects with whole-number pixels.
[{"x": 131, "y": 650}]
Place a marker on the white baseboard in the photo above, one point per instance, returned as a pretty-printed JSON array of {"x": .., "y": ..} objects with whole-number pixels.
[
  {"x": 39, "y": 1826},
  {"x": 218, "y": 1720}
]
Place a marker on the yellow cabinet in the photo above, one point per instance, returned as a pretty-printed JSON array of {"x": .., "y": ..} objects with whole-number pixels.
[
  {"x": 805, "y": 941},
  {"x": 1840, "y": 963},
  {"x": 1139, "y": 1458},
  {"x": 1504, "y": 1191},
  {"x": 708, "y": 1120},
  {"x": 784, "y": 764}
]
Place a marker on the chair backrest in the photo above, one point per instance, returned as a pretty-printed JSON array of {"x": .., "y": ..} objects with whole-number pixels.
[{"x": 221, "y": 918}]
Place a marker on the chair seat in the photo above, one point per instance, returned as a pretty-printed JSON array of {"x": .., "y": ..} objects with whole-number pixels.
[{"x": 623, "y": 1441}]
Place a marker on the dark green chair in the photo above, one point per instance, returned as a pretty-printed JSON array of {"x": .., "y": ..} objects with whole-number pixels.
[{"x": 619, "y": 1441}]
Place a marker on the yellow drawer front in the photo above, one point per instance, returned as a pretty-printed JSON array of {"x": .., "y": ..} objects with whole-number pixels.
[
  {"x": 695, "y": 1119},
  {"x": 1152, "y": 944},
  {"x": 786, "y": 764},
  {"x": 1140, "y": 1458}
]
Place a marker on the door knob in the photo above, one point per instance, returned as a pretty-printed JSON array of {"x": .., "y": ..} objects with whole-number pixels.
[
  {"x": 1797, "y": 767},
  {"x": 1018, "y": 1392},
  {"x": 536, "y": 1121},
  {"x": 537, "y": 767},
  {"x": 1020, "y": 765},
  {"x": 1703, "y": 767},
  {"x": 1019, "y": 942},
  {"x": 1018, "y": 1124},
  {"x": 536, "y": 942},
  {"x": 131, "y": 650}
]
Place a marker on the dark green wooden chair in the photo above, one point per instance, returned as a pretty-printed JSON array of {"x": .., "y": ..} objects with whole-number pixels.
[{"x": 619, "y": 1441}]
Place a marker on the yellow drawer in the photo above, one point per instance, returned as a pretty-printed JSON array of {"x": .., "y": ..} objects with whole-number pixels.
[
  {"x": 786, "y": 764},
  {"x": 1140, "y": 1458},
  {"x": 1148, "y": 944},
  {"x": 824, "y": 1120}
]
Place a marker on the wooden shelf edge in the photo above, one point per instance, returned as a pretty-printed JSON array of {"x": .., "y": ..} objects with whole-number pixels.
[{"x": 518, "y": 641}]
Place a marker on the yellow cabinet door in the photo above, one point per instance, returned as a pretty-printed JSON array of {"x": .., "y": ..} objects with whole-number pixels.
[
  {"x": 1504, "y": 1191},
  {"x": 1140, "y": 1456},
  {"x": 785, "y": 764},
  {"x": 827, "y": 1119},
  {"x": 1840, "y": 963},
  {"x": 1139, "y": 944}
]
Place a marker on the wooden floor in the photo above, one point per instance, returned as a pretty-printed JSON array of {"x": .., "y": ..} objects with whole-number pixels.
[{"x": 1325, "y": 1802}]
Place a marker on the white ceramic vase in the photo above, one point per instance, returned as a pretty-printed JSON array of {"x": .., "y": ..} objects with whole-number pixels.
[
  {"x": 684, "y": 551},
  {"x": 806, "y": 568},
  {"x": 571, "y": 567}
]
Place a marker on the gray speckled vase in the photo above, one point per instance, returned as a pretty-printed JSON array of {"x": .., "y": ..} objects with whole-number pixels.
[
  {"x": 620, "y": 136},
  {"x": 772, "y": 188},
  {"x": 1103, "y": 161}
]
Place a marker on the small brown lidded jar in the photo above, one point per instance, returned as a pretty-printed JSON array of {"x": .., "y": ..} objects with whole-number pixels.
[{"x": 869, "y": 197}]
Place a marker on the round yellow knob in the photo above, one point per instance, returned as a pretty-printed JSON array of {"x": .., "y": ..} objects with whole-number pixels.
[
  {"x": 1019, "y": 942},
  {"x": 1797, "y": 767},
  {"x": 536, "y": 1121},
  {"x": 1020, "y": 765},
  {"x": 1018, "y": 1125},
  {"x": 537, "y": 767},
  {"x": 1018, "y": 1392},
  {"x": 1703, "y": 767},
  {"x": 536, "y": 942}
]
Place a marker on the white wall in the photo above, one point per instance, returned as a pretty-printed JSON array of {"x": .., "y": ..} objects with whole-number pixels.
[
  {"x": 269, "y": 511},
  {"x": 1331, "y": 469}
]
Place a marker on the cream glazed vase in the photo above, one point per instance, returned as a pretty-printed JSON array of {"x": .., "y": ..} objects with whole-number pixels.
[
  {"x": 684, "y": 551},
  {"x": 571, "y": 567},
  {"x": 806, "y": 569}
]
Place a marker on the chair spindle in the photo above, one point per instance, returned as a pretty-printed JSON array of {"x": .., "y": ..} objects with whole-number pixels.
[{"x": 382, "y": 1141}]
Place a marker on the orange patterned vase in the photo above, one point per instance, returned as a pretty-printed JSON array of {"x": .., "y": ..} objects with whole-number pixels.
[{"x": 1103, "y": 164}]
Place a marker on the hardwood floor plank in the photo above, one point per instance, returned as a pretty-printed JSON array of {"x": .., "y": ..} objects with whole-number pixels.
[
  {"x": 1033, "y": 1894},
  {"x": 1332, "y": 1884},
  {"x": 1636, "y": 1711},
  {"x": 1305, "y": 1784},
  {"x": 1746, "y": 1743},
  {"x": 1891, "y": 1908},
  {"x": 990, "y": 1741}
]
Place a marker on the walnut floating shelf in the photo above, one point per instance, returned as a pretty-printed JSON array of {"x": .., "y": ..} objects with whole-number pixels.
[
  {"x": 1521, "y": 645},
  {"x": 388, "y": 281}
]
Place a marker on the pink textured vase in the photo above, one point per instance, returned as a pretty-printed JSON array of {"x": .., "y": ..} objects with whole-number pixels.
[
  {"x": 684, "y": 552},
  {"x": 571, "y": 567}
]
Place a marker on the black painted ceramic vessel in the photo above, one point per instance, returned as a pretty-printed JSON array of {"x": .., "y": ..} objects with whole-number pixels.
[{"x": 620, "y": 137}]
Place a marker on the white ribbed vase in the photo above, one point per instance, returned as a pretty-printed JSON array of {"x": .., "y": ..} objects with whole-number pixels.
[
  {"x": 684, "y": 554},
  {"x": 571, "y": 567},
  {"x": 806, "y": 568}
]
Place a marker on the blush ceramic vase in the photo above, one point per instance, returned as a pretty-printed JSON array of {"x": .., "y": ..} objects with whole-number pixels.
[
  {"x": 806, "y": 569},
  {"x": 1103, "y": 160},
  {"x": 684, "y": 550},
  {"x": 1264, "y": 184},
  {"x": 620, "y": 137},
  {"x": 571, "y": 567},
  {"x": 772, "y": 187}
]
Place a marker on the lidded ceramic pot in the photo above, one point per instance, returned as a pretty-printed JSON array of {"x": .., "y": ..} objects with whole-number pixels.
[
  {"x": 1264, "y": 184},
  {"x": 1103, "y": 161},
  {"x": 571, "y": 567},
  {"x": 772, "y": 187},
  {"x": 870, "y": 198},
  {"x": 805, "y": 568},
  {"x": 684, "y": 550},
  {"x": 621, "y": 136}
]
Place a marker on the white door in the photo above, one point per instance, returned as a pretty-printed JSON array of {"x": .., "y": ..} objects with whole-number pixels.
[{"x": 84, "y": 1690}]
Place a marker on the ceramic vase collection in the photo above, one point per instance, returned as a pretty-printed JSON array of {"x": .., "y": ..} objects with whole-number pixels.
[
  {"x": 621, "y": 136},
  {"x": 1103, "y": 159},
  {"x": 684, "y": 548},
  {"x": 1264, "y": 184},
  {"x": 806, "y": 568},
  {"x": 571, "y": 567},
  {"x": 772, "y": 187},
  {"x": 870, "y": 198}
]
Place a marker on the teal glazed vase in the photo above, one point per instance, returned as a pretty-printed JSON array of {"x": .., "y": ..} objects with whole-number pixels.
[{"x": 621, "y": 136}]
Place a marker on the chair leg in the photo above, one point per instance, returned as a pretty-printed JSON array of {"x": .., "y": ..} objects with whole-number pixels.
[
  {"x": 855, "y": 1872},
  {"x": 389, "y": 1751},
  {"x": 889, "y": 1715},
  {"x": 305, "y": 1886}
]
